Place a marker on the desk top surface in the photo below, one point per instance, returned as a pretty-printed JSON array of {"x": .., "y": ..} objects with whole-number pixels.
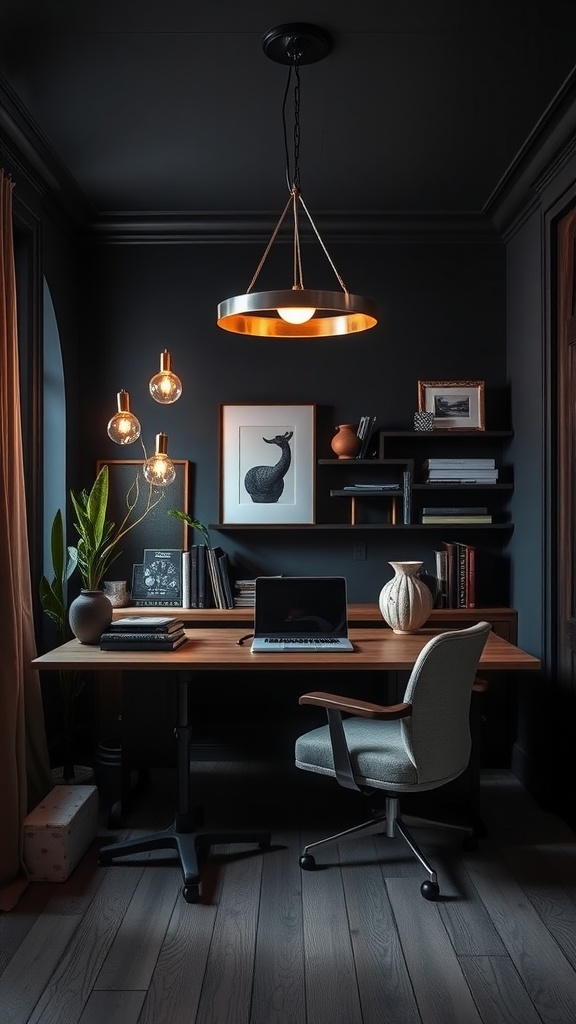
[{"x": 217, "y": 648}]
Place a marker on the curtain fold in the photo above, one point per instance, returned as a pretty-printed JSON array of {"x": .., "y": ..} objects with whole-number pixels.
[{"x": 25, "y": 776}]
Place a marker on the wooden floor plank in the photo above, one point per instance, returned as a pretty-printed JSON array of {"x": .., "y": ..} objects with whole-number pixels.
[
  {"x": 278, "y": 995},
  {"x": 132, "y": 956},
  {"x": 113, "y": 1008},
  {"x": 176, "y": 985},
  {"x": 383, "y": 979},
  {"x": 75, "y": 973},
  {"x": 332, "y": 995},
  {"x": 498, "y": 990},
  {"x": 441, "y": 991},
  {"x": 227, "y": 987},
  {"x": 546, "y": 973},
  {"x": 29, "y": 973}
]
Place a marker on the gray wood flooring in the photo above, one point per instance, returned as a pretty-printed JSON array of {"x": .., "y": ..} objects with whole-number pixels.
[{"x": 354, "y": 943}]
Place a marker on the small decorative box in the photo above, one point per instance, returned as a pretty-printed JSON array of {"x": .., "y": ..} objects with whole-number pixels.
[{"x": 59, "y": 831}]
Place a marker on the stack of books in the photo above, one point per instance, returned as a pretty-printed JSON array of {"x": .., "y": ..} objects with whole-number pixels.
[
  {"x": 456, "y": 574},
  {"x": 244, "y": 593},
  {"x": 460, "y": 471},
  {"x": 364, "y": 432},
  {"x": 144, "y": 633},
  {"x": 461, "y": 515},
  {"x": 209, "y": 578}
]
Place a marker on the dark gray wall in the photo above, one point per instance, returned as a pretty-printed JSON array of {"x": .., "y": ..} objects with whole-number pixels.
[{"x": 442, "y": 317}]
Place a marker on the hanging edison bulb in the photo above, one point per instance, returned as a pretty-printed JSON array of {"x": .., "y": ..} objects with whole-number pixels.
[
  {"x": 165, "y": 387},
  {"x": 124, "y": 428},
  {"x": 158, "y": 469}
]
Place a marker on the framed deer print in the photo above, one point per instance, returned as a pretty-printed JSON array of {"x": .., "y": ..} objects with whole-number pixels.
[{"x": 267, "y": 464}]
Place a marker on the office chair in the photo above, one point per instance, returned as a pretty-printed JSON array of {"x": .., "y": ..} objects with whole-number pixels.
[{"x": 421, "y": 744}]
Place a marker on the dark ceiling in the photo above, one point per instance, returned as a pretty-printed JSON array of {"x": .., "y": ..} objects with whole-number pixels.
[{"x": 166, "y": 105}]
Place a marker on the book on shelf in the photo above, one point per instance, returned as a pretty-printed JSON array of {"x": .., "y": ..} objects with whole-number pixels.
[
  {"x": 186, "y": 590},
  {"x": 158, "y": 580},
  {"x": 224, "y": 567},
  {"x": 451, "y": 574},
  {"x": 441, "y": 559},
  {"x": 461, "y": 474},
  {"x": 200, "y": 586},
  {"x": 367, "y": 488},
  {"x": 406, "y": 497},
  {"x": 110, "y": 641},
  {"x": 466, "y": 554},
  {"x": 454, "y": 510},
  {"x": 219, "y": 573},
  {"x": 370, "y": 422},
  {"x": 462, "y": 520},
  {"x": 145, "y": 624},
  {"x": 459, "y": 464}
]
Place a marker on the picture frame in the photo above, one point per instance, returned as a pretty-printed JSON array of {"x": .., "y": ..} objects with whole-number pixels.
[
  {"x": 158, "y": 529},
  {"x": 255, "y": 440},
  {"x": 456, "y": 404}
]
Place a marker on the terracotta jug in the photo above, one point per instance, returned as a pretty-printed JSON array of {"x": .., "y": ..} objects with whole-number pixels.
[{"x": 346, "y": 443}]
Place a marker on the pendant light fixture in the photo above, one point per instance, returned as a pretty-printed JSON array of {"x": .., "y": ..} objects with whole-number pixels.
[
  {"x": 165, "y": 386},
  {"x": 296, "y": 312},
  {"x": 124, "y": 427}
]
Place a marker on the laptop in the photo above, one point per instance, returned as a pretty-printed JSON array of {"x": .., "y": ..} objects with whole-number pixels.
[{"x": 300, "y": 613}]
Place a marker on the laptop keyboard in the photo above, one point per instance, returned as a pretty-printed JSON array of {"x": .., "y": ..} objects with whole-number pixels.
[{"x": 322, "y": 641}]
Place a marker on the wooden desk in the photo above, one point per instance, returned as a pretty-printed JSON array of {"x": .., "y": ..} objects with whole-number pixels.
[{"x": 217, "y": 649}]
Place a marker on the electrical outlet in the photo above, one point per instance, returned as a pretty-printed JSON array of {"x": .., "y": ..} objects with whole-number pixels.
[{"x": 360, "y": 551}]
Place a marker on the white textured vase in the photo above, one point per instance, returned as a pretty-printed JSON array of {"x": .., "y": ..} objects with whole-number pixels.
[{"x": 405, "y": 601}]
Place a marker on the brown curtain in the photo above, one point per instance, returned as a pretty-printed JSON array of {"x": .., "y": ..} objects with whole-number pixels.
[{"x": 24, "y": 766}]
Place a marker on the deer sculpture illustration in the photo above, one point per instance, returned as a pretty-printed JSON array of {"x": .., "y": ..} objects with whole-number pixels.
[{"x": 266, "y": 483}]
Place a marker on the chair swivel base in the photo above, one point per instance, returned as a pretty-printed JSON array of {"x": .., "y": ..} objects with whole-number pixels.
[
  {"x": 189, "y": 845},
  {"x": 390, "y": 823}
]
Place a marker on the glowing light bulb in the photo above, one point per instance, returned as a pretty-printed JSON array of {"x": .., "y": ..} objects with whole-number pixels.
[
  {"x": 296, "y": 314},
  {"x": 123, "y": 428},
  {"x": 165, "y": 387},
  {"x": 158, "y": 469}
]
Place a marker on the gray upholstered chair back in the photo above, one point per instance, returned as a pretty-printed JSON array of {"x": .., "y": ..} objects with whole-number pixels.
[{"x": 437, "y": 734}]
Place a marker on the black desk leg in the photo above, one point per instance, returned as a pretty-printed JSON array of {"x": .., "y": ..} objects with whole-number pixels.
[{"x": 184, "y": 836}]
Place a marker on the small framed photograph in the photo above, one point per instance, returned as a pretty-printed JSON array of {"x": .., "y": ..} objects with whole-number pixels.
[
  {"x": 267, "y": 464},
  {"x": 456, "y": 404}
]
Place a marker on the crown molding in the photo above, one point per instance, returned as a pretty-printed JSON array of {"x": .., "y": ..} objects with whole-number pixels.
[
  {"x": 256, "y": 228},
  {"x": 547, "y": 149}
]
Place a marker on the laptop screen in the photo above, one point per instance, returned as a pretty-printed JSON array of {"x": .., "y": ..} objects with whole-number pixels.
[{"x": 299, "y": 605}]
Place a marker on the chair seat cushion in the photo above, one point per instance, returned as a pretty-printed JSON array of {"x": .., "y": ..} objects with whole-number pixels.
[
  {"x": 378, "y": 756},
  {"x": 377, "y": 753}
]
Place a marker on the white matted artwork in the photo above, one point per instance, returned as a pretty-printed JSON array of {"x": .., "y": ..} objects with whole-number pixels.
[{"x": 267, "y": 464}]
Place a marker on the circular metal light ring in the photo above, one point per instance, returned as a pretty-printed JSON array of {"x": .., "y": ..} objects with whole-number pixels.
[
  {"x": 312, "y": 43},
  {"x": 337, "y": 313}
]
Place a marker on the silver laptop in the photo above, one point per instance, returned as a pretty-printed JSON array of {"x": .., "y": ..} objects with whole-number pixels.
[{"x": 300, "y": 613}]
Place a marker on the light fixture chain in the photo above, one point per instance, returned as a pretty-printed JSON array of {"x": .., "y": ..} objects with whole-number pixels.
[
  {"x": 297, "y": 128},
  {"x": 326, "y": 253},
  {"x": 269, "y": 246}
]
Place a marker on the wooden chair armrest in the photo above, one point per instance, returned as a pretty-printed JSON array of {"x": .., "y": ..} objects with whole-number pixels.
[{"x": 362, "y": 708}]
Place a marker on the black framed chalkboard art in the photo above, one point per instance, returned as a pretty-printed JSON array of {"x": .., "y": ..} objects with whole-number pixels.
[{"x": 157, "y": 529}]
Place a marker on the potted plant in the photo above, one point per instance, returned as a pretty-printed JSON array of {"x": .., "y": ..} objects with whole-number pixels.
[{"x": 97, "y": 549}]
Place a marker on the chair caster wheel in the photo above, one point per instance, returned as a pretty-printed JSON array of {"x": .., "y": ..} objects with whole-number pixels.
[
  {"x": 191, "y": 893},
  {"x": 307, "y": 862},
  {"x": 470, "y": 843},
  {"x": 430, "y": 890}
]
